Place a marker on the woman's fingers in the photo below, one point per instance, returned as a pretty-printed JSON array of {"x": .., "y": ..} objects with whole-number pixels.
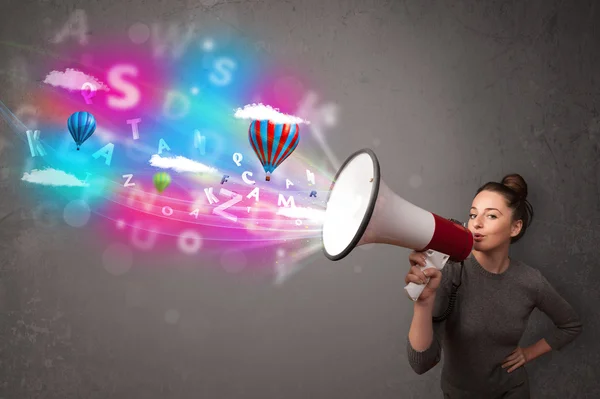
[
  {"x": 432, "y": 272},
  {"x": 417, "y": 258},
  {"x": 509, "y": 363},
  {"x": 417, "y": 275},
  {"x": 415, "y": 270},
  {"x": 412, "y": 278}
]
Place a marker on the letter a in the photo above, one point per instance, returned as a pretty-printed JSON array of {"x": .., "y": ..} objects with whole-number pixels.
[
  {"x": 163, "y": 145},
  {"x": 106, "y": 152},
  {"x": 76, "y": 26}
]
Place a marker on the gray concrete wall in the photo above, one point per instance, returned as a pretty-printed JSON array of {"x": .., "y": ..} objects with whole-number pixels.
[{"x": 450, "y": 94}]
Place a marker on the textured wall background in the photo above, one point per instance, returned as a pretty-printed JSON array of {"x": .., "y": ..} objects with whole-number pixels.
[{"x": 450, "y": 94}]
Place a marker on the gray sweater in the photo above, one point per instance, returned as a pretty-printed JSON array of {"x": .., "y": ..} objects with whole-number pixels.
[{"x": 486, "y": 325}]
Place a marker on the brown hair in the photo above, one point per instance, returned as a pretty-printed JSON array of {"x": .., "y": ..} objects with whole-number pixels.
[{"x": 514, "y": 190}]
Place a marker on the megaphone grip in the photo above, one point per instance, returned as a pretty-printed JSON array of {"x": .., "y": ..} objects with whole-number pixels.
[
  {"x": 435, "y": 260},
  {"x": 414, "y": 290}
]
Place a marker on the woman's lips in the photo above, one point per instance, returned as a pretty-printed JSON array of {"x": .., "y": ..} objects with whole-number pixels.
[{"x": 478, "y": 237}]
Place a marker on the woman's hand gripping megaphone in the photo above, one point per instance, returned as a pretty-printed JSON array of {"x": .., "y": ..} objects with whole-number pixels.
[{"x": 425, "y": 275}]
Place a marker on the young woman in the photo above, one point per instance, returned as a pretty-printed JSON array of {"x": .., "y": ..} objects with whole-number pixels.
[{"x": 496, "y": 295}]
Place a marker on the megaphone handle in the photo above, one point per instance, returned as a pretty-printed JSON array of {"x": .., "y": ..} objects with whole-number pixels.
[{"x": 414, "y": 290}]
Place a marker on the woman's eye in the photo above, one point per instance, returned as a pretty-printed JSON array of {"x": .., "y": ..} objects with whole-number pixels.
[
  {"x": 471, "y": 216},
  {"x": 492, "y": 216}
]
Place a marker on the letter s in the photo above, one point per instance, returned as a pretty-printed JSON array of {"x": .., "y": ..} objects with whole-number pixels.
[
  {"x": 224, "y": 67},
  {"x": 115, "y": 80}
]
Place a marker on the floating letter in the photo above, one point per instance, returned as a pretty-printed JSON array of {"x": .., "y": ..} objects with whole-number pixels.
[
  {"x": 162, "y": 144},
  {"x": 76, "y": 26},
  {"x": 245, "y": 178},
  {"x": 106, "y": 152},
  {"x": 131, "y": 93},
  {"x": 224, "y": 66},
  {"x": 173, "y": 37},
  {"x": 189, "y": 242},
  {"x": 220, "y": 210},
  {"x": 33, "y": 138},
  {"x": 237, "y": 158},
  {"x": 173, "y": 96},
  {"x": 200, "y": 142},
  {"x": 127, "y": 184},
  {"x": 134, "y": 127},
  {"x": 89, "y": 93},
  {"x": 310, "y": 176},
  {"x": 288, "y": 203},
  {"x": 209, "y": 194},
  {"x": 254, "y": 193}
]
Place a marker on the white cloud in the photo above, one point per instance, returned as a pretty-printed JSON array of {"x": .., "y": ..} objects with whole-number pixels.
[
  {"x": 180, "y": 164},
  {"x": 53, "y": 177},
  {"x": 302, "y": 213},
  {"x": 72, "y": 79},
  {"x": 266, "y": 112}
]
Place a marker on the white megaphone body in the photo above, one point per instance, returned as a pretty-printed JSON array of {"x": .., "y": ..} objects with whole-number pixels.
[{"x": 361, "y": 209}]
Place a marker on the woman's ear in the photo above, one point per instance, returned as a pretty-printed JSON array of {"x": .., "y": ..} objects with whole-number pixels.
[{"x": 516, "y": 228}]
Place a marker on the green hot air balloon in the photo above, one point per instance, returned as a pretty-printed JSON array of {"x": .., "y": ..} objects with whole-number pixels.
[{"x": 161, "y": 181}]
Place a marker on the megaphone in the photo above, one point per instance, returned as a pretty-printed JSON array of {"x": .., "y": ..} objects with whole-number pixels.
[{"x": 361, "y": 209}]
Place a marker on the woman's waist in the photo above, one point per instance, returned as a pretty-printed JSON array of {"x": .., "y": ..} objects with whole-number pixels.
[{"x": 478, "y": 379}]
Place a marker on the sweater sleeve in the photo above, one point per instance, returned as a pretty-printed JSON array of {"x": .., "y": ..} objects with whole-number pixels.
[
  {"x": 423, "y": 361},
  {"x": 567, "y": 325}
]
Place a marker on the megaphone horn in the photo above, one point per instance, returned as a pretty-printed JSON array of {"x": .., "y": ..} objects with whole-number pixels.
[{"x": 361, "y": 209}]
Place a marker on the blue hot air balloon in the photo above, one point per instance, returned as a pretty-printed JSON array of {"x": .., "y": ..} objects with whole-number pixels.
[
  {"x": 273, "y": 142},
  {"x": 81, "y": 125}
]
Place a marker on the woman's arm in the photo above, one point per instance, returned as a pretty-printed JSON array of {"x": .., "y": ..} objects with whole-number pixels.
[
  {"x": 424, "y": 343},
  {"x": 537, "y": 350},
  {"x": 420, "y": 334},
  {"x": 567, "y": 325}
]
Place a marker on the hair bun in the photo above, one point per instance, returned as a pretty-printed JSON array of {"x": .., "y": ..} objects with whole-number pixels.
[{"x": 516, "y": 183}]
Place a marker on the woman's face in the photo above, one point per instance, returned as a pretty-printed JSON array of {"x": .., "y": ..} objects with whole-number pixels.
[{"x": 490, "y": 221}]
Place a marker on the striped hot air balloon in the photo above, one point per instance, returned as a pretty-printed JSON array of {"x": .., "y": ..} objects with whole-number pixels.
[
  {"x": 273, "y": 142},
  {"x": 81, "y": 126}
]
